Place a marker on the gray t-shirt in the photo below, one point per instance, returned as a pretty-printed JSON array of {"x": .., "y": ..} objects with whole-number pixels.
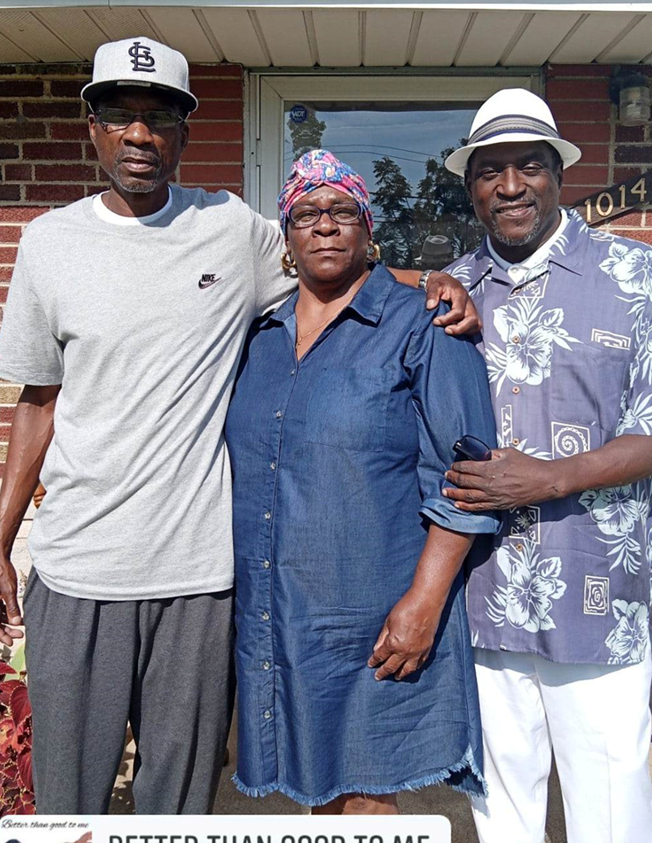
[{"x": 144, "y": 327}]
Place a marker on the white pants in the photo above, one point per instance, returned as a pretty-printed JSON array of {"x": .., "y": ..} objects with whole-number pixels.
[{"x": 596, "y": 718}]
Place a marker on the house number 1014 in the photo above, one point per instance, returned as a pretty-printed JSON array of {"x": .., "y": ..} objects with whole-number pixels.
[{"x": 616, "y": 199}]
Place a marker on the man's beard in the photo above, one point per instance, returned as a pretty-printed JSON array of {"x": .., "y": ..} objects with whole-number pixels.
[
  {"x": 135, "y": 184},
  {"x": 521, "y": 240}
]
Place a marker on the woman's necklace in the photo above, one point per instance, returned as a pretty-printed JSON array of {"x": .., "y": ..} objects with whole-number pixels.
[{"x": 301, "y": 337}]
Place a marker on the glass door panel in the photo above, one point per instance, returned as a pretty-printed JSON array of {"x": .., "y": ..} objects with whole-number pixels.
[
  {"x": 422, "y": 214},
  {"x": 396, "y": 131}
]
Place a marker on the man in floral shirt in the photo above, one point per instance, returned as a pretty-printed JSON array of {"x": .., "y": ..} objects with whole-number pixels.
[{"x": 559, "y": 605}]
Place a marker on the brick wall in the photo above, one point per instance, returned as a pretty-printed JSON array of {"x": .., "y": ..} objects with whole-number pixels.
[
  {"x": 47, "y": 159},
  {"x": 579, "y": 98}
]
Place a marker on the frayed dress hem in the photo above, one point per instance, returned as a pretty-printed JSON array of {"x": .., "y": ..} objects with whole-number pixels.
[{"x": 467, "y": 762}]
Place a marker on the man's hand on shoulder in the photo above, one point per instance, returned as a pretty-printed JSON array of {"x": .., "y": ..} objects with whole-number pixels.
[{"x": 462, "y": 318}]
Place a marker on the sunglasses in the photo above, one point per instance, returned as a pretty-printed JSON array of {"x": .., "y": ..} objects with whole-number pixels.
[
  {"x": 472, "y": 448},
  {"x": 116, "y": 119}
]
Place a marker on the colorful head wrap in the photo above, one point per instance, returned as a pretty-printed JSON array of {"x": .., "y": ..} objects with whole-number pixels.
[{"x": 319, "y": 167}]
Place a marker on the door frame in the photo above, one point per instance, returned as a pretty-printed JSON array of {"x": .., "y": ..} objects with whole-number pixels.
[{"x": 267, "y": 92}]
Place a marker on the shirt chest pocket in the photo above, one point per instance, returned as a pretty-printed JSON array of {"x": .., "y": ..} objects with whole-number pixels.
[
  {"x": 587, "y": 384},
  {"x": 347, "y": 408}
]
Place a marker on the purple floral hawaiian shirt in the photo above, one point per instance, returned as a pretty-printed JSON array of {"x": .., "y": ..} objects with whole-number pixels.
[{"x": 569, "y": 356}]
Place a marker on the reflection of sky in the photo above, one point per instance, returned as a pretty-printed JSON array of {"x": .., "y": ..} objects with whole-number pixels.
[{"x": 409, "y": 137}]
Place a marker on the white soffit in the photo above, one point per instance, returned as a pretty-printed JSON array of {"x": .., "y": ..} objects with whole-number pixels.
[
  {"x": 284, "y": 32},
  {"x": 544, "y": 32},
  {"x": 637, "y": 42},
  {"x": 387, "y": 37},
  {"x": 438, "y": 38},
  {"x": 11, "y": 52},
  {"x": 338, "y": 37},
  {"x": 487, "y": 38},
  {"x": 590, "y": 37},
  {"x": 181, "y": 29},
  {"x": 82, "y": 33},
  {"x": 26, "y": 31},
  {"x": 352, "y": 34},
  {"x": 116, "y": 23},
  {"x": 235, "y": 33}
]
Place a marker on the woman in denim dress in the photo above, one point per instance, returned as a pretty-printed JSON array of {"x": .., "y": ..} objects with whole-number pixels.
[{"x": 355, "y": 673}]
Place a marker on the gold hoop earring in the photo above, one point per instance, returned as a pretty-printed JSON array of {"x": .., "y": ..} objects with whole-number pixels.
[
  {"x": 287, "y": 261},
  {"x": 373, "y": 252}
]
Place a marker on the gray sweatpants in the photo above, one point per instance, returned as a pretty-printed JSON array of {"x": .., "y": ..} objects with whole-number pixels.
[{"x": 165, "y": 666}]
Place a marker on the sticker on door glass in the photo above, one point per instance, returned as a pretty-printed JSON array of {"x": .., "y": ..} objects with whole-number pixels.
[{"x": 298, "y": 114}]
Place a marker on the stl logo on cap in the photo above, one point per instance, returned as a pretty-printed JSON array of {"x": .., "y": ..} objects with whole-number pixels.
[{"x": 142, "y": 58}]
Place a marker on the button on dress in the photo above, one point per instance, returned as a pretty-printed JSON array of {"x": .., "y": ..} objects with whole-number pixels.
[{"x": 338, "y": 463}]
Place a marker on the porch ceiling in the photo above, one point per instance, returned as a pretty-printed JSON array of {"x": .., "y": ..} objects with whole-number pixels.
[{"x": 454, "y": 34}]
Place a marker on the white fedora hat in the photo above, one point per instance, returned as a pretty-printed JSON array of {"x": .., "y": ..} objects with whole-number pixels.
[
  {"x": 512, "y": 115},
  {"x": 143, "y": 62}
]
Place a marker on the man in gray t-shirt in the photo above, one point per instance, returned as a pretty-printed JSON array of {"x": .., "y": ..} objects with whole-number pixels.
[
  {"x": 129, "y": 312},
  {"x": 126, "y": 317},
  {"x": 152, "y": 317}
]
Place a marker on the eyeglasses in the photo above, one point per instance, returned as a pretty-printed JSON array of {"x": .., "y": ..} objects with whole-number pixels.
[
  {"x": 116, "y": 119},
  {"x": 305, "y": 217},
  {"x": 472, "y": 448}
]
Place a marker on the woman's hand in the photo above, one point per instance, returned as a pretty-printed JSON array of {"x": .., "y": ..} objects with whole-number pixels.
[
  {"x": 408, "y": 634},
  {"x": 406, "y": 638}
]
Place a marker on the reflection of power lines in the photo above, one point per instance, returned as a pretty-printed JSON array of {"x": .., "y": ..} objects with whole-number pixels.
[
  {"x": 406, "y": 207},
  {"x": 413, "y": 198},
  {"x": 409, "y": 196},
  {"x": 407, "y": 223},
  {"x": 378, "y": 146},
  {"x": 350, "y": 147},
  {"x": 381, "y": 154}
]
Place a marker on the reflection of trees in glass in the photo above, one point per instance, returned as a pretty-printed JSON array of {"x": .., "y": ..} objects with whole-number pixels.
[
  {"x": 307, "y": 135},
  {"x": 439, "y": 205},
  {"x": 395, "y": 232}
]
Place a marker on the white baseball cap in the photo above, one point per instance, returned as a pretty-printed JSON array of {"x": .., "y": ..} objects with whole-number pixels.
[
  {"x": 142, "y": 62},
  {"x": 512, "y": 115}
]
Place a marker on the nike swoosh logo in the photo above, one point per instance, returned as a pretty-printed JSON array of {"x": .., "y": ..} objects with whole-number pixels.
[{"x": 203, "y": 284}]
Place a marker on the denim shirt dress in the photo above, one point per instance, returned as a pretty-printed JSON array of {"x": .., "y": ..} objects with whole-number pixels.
[{"x": 338, "y": 464}]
